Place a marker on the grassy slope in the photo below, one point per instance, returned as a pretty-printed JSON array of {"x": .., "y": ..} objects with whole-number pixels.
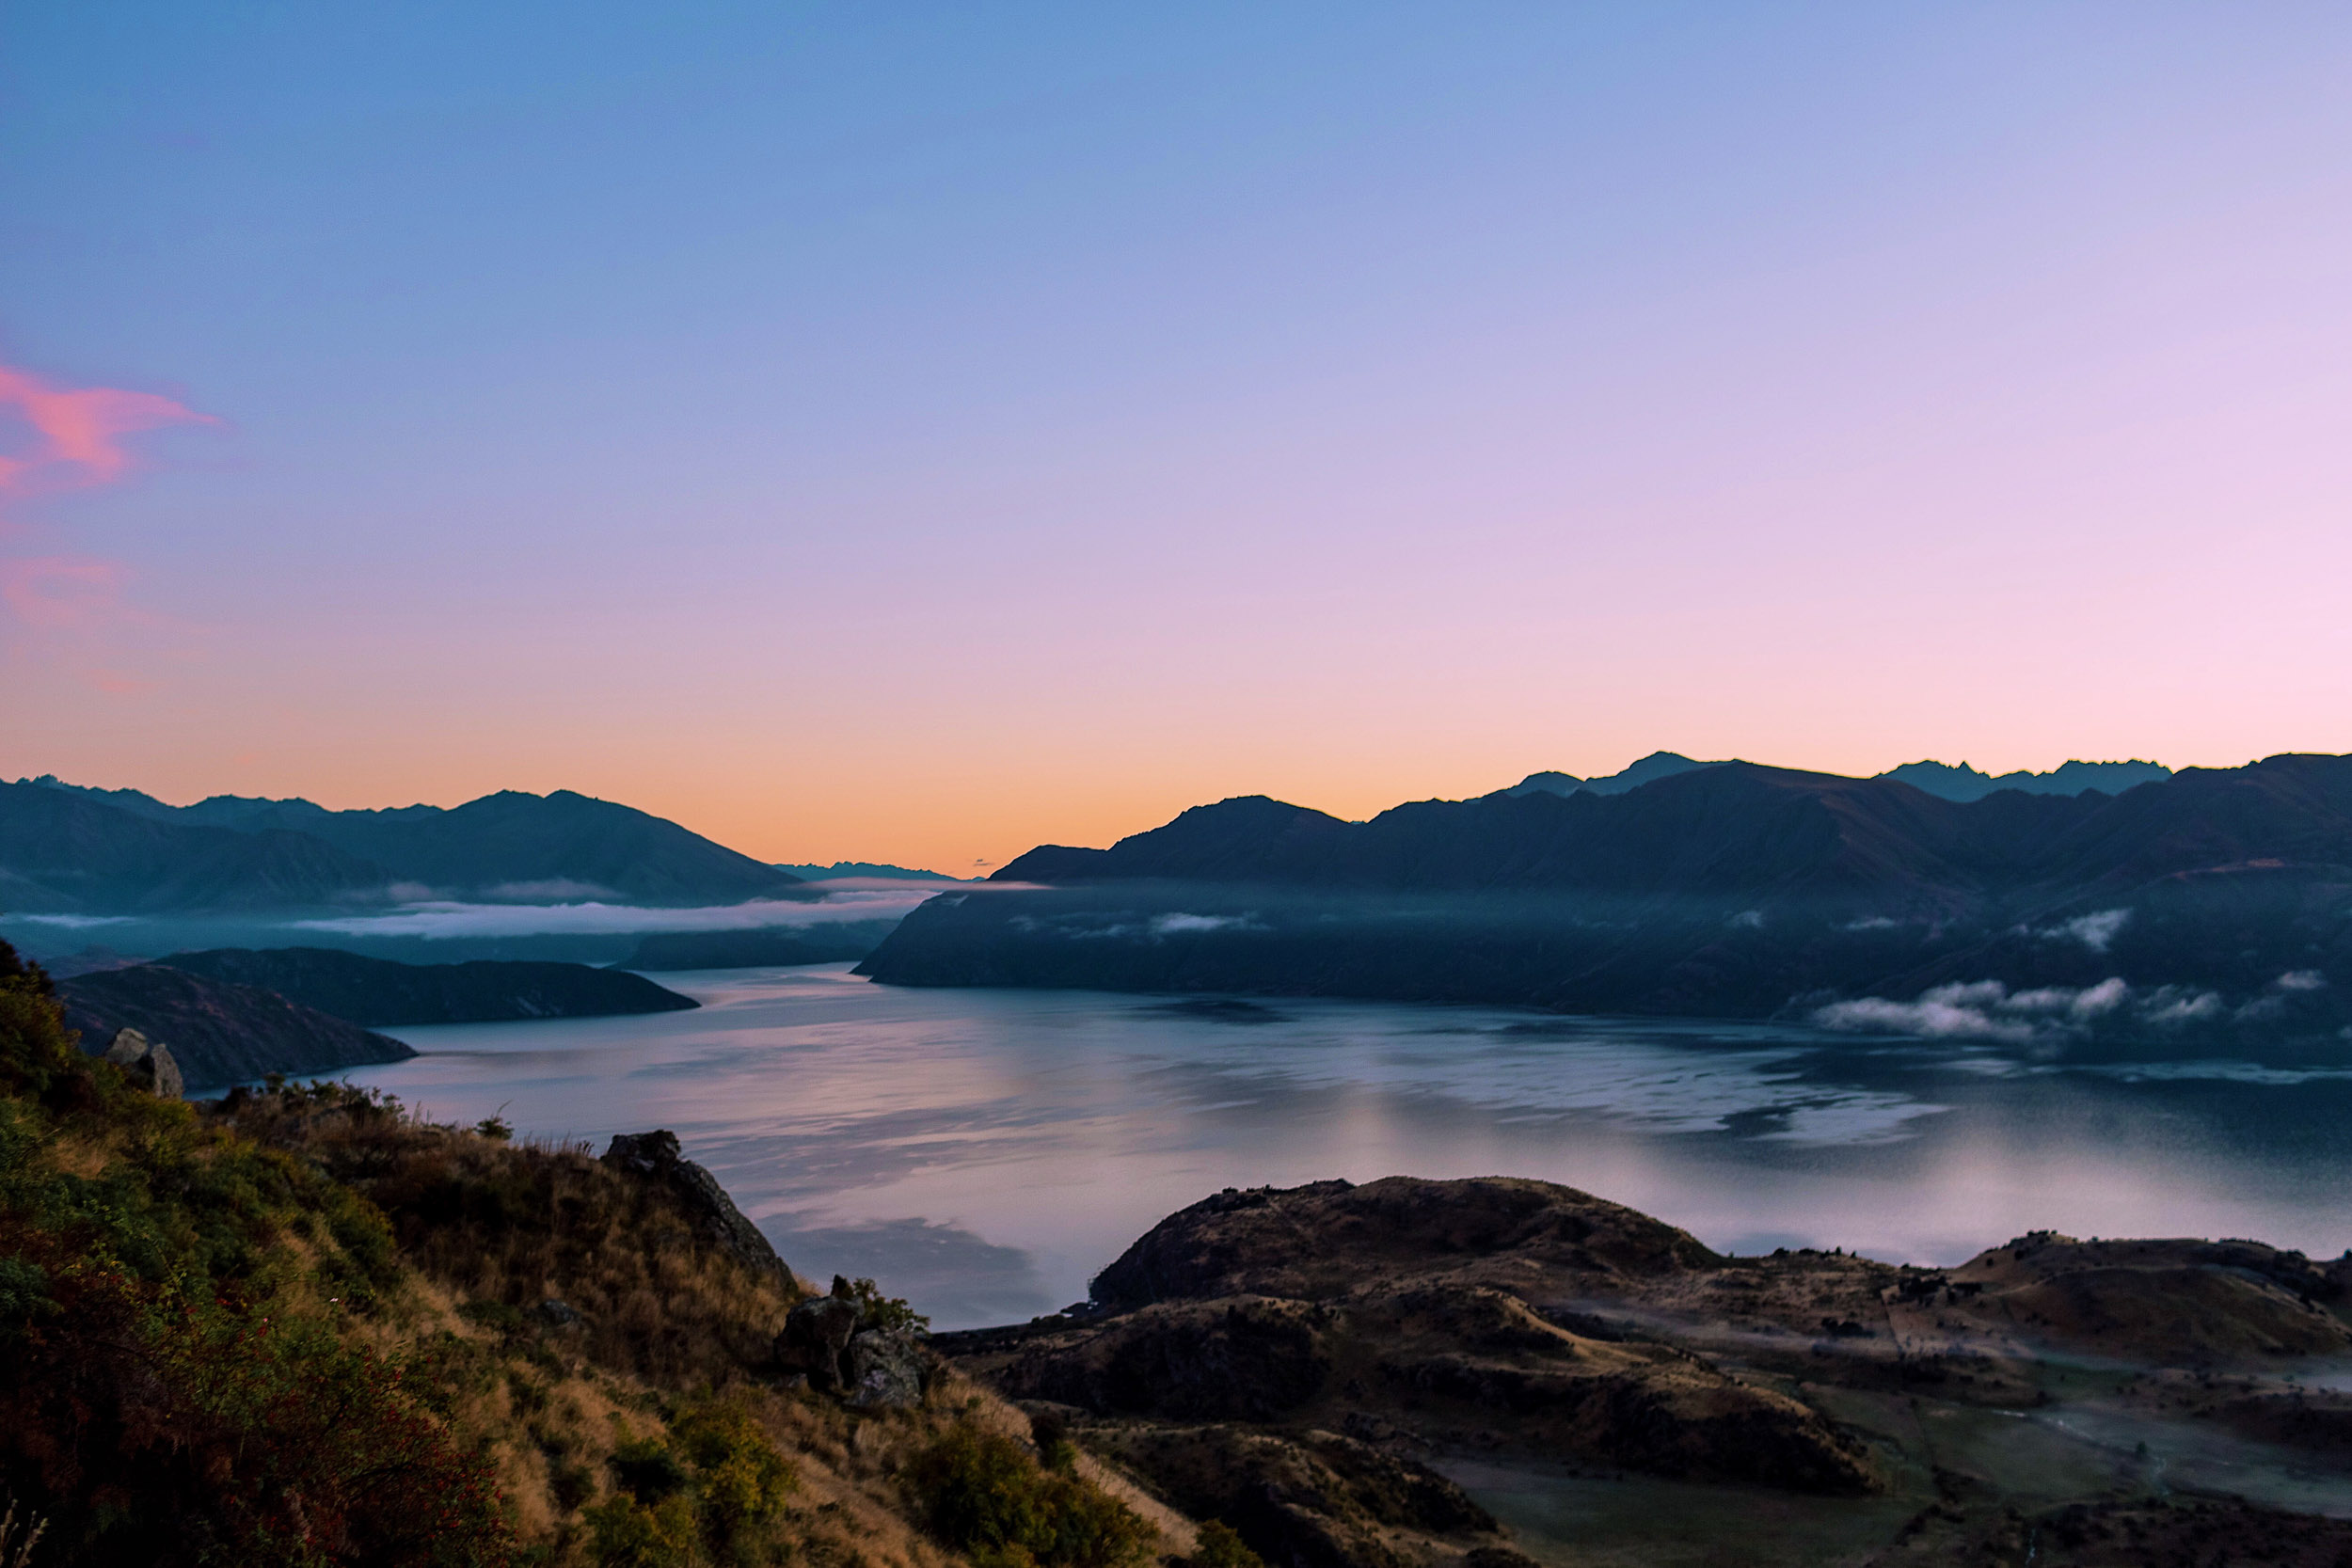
[{"x": 307, "y": 1328}]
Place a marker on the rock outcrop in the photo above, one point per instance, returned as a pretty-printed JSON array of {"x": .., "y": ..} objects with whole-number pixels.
[
  {"x": 655, "y": 1157},
  {"x": 148, "y": 1064},
  {"x": 841, "y": 1349}
]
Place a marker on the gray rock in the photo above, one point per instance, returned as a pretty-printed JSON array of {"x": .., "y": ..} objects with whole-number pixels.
[
  {"x": 558, "y": 1314},
  {"x": 815, "y": 1340},
  {"x": 147, "y": 1064},
  {"x": 887, "y": 1368},
  {"x": 655, "y": 1157}
]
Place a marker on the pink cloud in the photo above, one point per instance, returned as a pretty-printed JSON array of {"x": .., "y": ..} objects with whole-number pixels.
[
  {"x": 76, "y": 432},
  {"x": 62, "y": 609}
]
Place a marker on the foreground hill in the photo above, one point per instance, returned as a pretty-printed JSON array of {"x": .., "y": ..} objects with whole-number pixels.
[
  {"x": 2209, "y": 898},
  {"x": 303, "y": 1329},
  {"x": 381, "y": 992},
  {"x": 66, "y": 850}
]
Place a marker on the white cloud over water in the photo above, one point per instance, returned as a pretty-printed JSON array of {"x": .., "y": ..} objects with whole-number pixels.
[
  {"x": 444, "y": 918},
  {"x": 1989, "y": 1010},
  {"x": 2096, "y": 931}
]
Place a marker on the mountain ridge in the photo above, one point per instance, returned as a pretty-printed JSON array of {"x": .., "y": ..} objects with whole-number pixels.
[
  {"x": 2212, "y": 901},
  {"x": 1961, "y": 782},
  {"x": 71, "y": 848}
]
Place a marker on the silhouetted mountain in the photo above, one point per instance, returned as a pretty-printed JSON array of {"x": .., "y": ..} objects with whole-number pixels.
[
  {"x": 1965, "y": 783},
  {"x": 218, "y": 1033},
  {"x": 1962, "y": 783},
  {"x": 65, "y": 849},
  {"x": 1658, "y": 765},
  {"x": 2211, "y": 900},
  {"x": 1728, "y": 828},
  {"x": 380, "y": 993}
]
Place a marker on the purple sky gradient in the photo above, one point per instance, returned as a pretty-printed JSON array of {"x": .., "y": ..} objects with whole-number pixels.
[{"x": 913, "y": 436}]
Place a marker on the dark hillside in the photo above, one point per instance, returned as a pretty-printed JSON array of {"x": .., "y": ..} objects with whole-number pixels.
[
  {"x": 379, "y": 991},
  {"x": 220, "y": 1032},
  {"x": 67, "y": 853},
  {"x": 2220, "y": 900},
  {"x": 518, "y": 845},
  {"x": 66, "y": 849}
]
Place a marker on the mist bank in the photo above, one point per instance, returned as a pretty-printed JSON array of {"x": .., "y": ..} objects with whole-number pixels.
[
  {"x": 2212, "y": 908},
  {"x": 835, "y": 926}
]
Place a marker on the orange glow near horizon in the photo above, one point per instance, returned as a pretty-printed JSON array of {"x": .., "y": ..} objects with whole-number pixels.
[{"x": 1022, "y": 427}]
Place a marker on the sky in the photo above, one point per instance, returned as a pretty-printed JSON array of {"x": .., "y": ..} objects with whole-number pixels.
[{"x": 917, "y": 433}]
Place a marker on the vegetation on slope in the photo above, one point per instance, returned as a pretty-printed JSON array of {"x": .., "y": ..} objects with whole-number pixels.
[{"x": 305, "y": 1327}]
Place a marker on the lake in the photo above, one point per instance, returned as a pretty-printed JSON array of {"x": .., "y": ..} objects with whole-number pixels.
[{"x": 985, "y": 1152}]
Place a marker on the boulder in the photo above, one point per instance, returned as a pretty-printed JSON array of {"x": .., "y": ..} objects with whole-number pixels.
[
  {"x": 825, "y": 1339},
  {"x": 885, "y": 1368},
  {"x": 654, "y": 1156},
  {"x": 816, "y": 1339},
  {"x": 148, "y": 1064}
]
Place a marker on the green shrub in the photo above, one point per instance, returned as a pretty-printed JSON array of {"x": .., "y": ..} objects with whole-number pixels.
[
  {"x": 876, "y": 1310},
  {"x": 1221, "y": 1546},
  {"x": 742, "y": 1480},
  {"x": 986, "y": 1495},
  {"x": 719, "y": 1472},
  {"x": 624, "y": 1532}
]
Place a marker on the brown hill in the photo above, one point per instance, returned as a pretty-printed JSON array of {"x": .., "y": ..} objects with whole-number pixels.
[{"x": 220, "y": 1032}]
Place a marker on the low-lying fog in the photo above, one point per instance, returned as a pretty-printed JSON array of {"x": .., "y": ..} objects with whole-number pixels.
[
  {"x": 450, "y": 932},
  {"x": 986, "y": 1151}
]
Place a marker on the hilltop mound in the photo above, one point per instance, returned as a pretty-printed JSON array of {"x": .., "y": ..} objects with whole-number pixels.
[{"x": 1318, "y": 1241}]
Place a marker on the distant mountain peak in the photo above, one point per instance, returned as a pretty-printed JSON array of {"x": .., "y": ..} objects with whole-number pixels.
[
  {"x": 1965, "y": 783},
  {"x": 1658, "y": 765}
]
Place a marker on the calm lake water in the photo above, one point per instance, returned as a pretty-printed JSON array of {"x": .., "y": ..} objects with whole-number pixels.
[{"x": 984, "y": 1153}]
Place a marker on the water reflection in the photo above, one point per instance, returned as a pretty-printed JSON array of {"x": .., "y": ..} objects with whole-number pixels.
[{"x": 984, "y": 1153}]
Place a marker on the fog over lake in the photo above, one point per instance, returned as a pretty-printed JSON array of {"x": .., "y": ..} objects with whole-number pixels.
[{"x": 985, "y": 1152}]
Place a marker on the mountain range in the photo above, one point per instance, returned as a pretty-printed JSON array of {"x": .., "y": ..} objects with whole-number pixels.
[
  {"x": 69, "y": 849},
  {"x": 1962, "y": 783},
  {"x": 2219, "y": 901}
]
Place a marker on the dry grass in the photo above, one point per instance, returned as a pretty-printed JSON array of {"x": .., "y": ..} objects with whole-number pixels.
[
  {"x": 494, "y": 1230},
  {"x": 505, "y": 1228}
]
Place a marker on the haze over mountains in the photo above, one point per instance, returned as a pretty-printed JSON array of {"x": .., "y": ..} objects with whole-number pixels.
[
  {"x": 64, "y": 848},
  {"x": 2215, "y": 903}
]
